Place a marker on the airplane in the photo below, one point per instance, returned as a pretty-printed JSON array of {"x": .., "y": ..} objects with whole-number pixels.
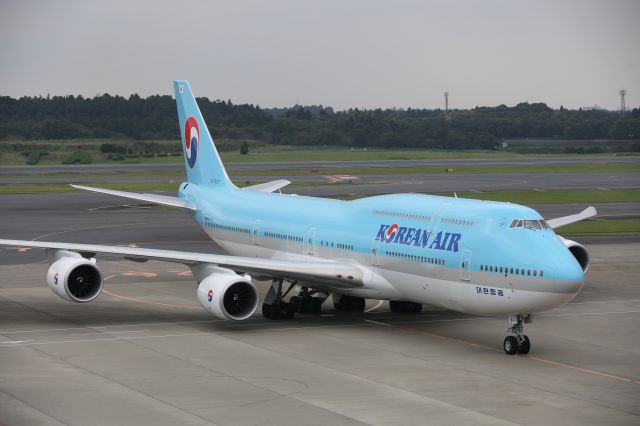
[{"x": 470, "y": 256}]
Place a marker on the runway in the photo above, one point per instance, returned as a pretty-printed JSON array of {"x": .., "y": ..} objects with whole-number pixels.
[
  {"x": 179, "y": 167},
  {"x": 145, "y": 353}
]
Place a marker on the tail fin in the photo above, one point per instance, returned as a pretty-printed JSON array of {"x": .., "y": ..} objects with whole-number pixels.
[{"x": 201, "y": 158}]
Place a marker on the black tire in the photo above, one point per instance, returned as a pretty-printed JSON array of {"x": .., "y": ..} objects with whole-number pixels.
[
  {"x": 349, "y": 304},
  {"x": 525, "y": 346},
  {"x": 402, "y": 307},
  {"x": 276, "y": 311},
  {"x": 316, "y": 305},
  {"x": 297, "y": 304},
  {"x": 510, "y": 345},
  {"x": 266, "y": 310},
  {"x": 289, "y": 310},
  {"x": 417, "y": 308},
  {"x": 357, "y": 304}
]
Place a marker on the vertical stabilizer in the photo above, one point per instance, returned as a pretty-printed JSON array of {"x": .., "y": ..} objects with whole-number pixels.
[{"x": 201, "y": 158}]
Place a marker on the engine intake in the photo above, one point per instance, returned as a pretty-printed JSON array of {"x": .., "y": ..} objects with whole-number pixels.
[
  {"x": 579, "y": 252},
  {"x": 75, "y": 278},
  {"x": 228, "y": 296}
]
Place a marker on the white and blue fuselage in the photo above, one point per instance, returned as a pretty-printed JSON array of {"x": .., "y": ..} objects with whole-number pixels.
[{"x": 459, "y": 254}]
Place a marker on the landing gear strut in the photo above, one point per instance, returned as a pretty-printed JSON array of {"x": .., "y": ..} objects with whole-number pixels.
[
  {"x": 520, "y": 342},
  {"x": 306, "y": 302}
]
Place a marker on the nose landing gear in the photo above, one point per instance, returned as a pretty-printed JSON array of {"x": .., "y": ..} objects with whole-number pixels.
[{"x": 520, "y": 342}]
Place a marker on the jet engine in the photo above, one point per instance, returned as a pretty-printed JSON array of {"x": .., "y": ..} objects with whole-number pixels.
[
  {"x": 579, "y": 252},
  {"x": 75, "y": 278},
  {"x": 228, "y": 296}
]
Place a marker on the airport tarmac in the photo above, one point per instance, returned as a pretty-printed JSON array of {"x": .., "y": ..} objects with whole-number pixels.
[{"x": 145, "y": 353}]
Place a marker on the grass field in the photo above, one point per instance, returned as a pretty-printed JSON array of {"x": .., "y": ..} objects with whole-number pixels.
[
  {"x": 259, "y": 152},
  {"x": 421, "y": 170},
  {"x": 602, "y": 227}
]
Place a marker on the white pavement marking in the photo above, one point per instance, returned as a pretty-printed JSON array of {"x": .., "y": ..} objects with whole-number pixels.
[
  {"x": 604, "y": 301},
  {"x": 379, "y": 323},
  {"x": 204, "y": 333},
  {"x": 104, "y": 332}
]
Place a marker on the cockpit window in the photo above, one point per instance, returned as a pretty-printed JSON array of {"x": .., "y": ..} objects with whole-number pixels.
[
  {"x": 529, "y": 224},
  {"x": 532, "y": 224}
]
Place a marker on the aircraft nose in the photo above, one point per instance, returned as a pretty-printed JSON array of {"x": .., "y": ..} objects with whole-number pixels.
[{"x": 570, "y": 276}]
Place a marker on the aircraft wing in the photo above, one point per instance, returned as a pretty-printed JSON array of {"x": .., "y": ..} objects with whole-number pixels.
[
  {"x": 162, "y": 200},
  {"x": 338, "y": 274},
  {"x": 268, "y": 186},
  {"x": 566, "y": 220}
]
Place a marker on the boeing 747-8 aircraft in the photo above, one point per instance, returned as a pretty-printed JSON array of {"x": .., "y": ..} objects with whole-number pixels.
[{"x": 470, "y": 256}]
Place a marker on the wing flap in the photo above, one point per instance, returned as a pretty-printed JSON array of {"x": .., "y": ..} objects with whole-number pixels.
[
  {"x": 566, "y": 220},
  {"x": 162, "y": 200},
  {"x": 333, "y": 273}
]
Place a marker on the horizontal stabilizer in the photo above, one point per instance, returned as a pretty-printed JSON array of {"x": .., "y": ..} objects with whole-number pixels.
[
  {"x": 162, "y": 200},
  {"x": 268, "y": 186},
  {"x": 566, "y": 220}
]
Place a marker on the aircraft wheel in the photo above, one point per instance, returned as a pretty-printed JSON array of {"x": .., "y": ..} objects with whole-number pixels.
[
  {"x": 296, "y": 303},
  {"x": 510, "y": 345},
  {"x": 348, "y": 303},
  {"x": 288, "y": 310},
  {"x": 316, "y": 305},
  {"x": 524, "y": 346},
  {"x": 266, "y": 310}
]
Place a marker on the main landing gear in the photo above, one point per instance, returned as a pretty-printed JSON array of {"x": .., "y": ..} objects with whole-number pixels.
[
  {"x": 348, "y": 303},
  {"x": 404, "y": 307},
  {"x": 520, "y": 342},
  {"x": 306, "y": 302}
]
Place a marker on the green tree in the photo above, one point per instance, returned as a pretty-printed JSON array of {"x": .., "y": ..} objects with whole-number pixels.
[{"x": 244, "y": 148}]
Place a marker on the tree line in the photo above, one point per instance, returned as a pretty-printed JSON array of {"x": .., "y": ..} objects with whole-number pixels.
[{"x": 155, "y": 118}]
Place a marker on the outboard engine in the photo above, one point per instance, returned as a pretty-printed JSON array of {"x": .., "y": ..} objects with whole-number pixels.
[{"x": 75, "y": 278}]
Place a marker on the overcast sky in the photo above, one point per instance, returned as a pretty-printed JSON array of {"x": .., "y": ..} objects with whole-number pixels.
[{"x": 341, "y": 53}]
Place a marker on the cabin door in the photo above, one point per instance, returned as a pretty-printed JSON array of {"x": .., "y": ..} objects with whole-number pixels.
[
  {"x": 374, "y": 252},
  {"x": 465, "y": 267},
  {"x": 255, "y": 233},
  {"x": 312, "y": 247}
]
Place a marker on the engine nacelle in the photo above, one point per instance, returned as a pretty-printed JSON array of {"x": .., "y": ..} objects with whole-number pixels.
[
  {"x": 75, "y": 278},
  {"x": 579, "y": 252},
  {"x": 228, "y": 296}
]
